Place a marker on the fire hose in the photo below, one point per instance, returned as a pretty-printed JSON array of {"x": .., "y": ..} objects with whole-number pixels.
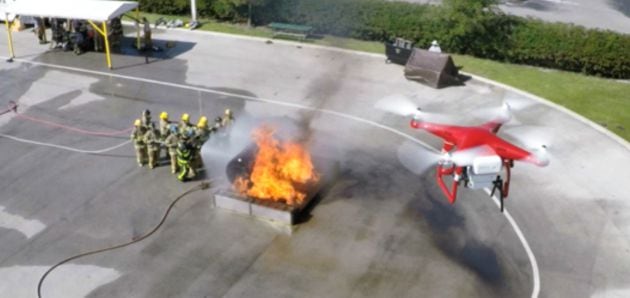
[
  {"x": 70, "y": 128},
  {"x": 13, "y": 107},
  {"x": 201, "y": 186}
]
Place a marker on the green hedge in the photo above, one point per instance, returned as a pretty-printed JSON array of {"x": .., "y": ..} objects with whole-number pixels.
[
  {"x": 461, "y": 26},
  {"x": 572, "y": 48}
]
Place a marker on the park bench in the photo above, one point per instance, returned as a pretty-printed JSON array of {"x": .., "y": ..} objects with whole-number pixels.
[{"x": 299, "y": 31}]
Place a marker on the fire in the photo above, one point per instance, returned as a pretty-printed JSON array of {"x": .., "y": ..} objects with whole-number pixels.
[{"x": 278, "y": 171}]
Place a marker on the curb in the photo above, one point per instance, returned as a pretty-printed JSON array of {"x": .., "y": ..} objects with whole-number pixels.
[
  {"x": 265, "y": 39},
  {"x": 539, "y": 99}
]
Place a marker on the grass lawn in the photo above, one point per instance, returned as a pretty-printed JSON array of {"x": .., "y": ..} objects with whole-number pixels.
[{"x": 604, "y": 101}]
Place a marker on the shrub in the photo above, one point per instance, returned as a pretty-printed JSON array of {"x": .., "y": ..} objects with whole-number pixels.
[{"x": 572, "y": 48}]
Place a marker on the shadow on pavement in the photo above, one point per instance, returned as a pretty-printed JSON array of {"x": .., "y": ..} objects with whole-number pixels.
[
  {"x": 127, "y": 57},
  {"x": 451, "y": 234}
]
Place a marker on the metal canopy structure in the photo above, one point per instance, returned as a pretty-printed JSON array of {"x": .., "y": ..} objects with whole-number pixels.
[{"x": 90, "y": 10}]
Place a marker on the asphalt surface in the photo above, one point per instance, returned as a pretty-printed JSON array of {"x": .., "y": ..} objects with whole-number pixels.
[
  {"x": 602, "y": 14},
  {"x": 378, "y": 230}
]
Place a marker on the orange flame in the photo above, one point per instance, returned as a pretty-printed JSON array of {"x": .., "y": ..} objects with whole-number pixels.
[{"x": 278, "y": 168}]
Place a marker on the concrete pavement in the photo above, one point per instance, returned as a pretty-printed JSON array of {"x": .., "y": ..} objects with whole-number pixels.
[{"x": 378, "y": 231}]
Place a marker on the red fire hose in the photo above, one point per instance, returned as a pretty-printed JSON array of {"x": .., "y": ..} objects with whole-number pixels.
[{"x": 13, "y": 107}]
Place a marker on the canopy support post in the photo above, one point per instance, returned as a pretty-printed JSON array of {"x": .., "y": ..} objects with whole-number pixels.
[
  {"x": 107, "y": 53},
  {"x": 10, "y": 37},
  {"x": 103, "y": 32},
  {"x": 138, "y": 28}
]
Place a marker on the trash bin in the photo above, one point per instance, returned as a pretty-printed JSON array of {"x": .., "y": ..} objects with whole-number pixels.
[{"x": 399, "y": 51}]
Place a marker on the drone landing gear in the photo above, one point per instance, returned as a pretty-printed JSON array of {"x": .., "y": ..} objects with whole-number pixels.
[
  {"x": 498, "y": 185},
  {"x": 441, "y": 171}
]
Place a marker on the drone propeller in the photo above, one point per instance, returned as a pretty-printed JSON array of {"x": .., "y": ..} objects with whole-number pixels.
[
  {"x": 418, "y": 159},
  {"x": 397, "y": 104},
  {"x": 529, "y": 136},
  {"x": 535, "y": 138},
  {"x": 402, "y": 105},
  {"x": 503, "y": 113},
  {"x": 542, "y": 155}
]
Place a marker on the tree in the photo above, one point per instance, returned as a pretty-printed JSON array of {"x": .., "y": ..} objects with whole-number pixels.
[
  {"x": 474, "y": 27},
  {"x": 250, "y": 5},
  {"x": 229, "y": 9}
]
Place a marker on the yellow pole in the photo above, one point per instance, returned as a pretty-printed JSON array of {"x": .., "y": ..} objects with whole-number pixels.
[
  {"x": 10, "y": 37},
  {"x": 106, "y": 37},
  {"x": 138, "y": 28},
  {"x": 97, "y": 28}
]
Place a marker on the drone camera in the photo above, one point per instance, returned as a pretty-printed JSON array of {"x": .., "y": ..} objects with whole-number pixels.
[{"x": 482, "y": 172}]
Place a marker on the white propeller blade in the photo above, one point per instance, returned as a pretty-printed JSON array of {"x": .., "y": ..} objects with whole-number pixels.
[
  {"x": 404, "y": 106},
  {"x": 397, "y": 104},
  {"x": 504, "y": 113},
  {"x": 532, "y": 137},
  {"x": 536, "y": 139},
  {"x": 416, "y": 158}
]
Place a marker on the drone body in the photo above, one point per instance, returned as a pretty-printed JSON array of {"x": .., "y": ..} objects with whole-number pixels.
[{"x": 476, "y": 157}]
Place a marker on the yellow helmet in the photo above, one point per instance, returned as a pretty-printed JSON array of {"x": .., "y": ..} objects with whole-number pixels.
[
  {"x": 228, "y": 112},
  {"x": 185, "y": 117},
  {"x": 164, "y": 116},
  {"x": 203, "y": 121},
  {"x": 137, "y": 122}
]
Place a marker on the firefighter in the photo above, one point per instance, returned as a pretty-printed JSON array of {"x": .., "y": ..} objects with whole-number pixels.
[
  {"x": 226, "y": 124},
  {"x": 171, "y": 142},
  {"x": 148, "y": 42},
  {"x": 146, "y": 119},
  {"x": 184, "y": 156},
  {"x": 227, "y": 119},
  {"x": 152, "y": 142},
  {"x": 217, "y": 124},
  {"x": 56, "y": 26},
  {"x": 164, "y": 125},
  {"x": 164, "y": 128},
  {"x": 40, "y": 30},
  {"x": 184, "y": 124},
  {"x": 202, "y": 134},
  {"x": 202, "y": 131},
  {"x": 137, "y": 137}
]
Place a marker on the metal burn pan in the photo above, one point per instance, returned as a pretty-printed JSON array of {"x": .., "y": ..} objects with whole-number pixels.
[{"x": 277, "y": 211}]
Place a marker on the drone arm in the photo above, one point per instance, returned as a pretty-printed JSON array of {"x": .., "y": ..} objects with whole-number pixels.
[
  {"x": 492, "y": 126},
  {"x": 452, "y": 194}
]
